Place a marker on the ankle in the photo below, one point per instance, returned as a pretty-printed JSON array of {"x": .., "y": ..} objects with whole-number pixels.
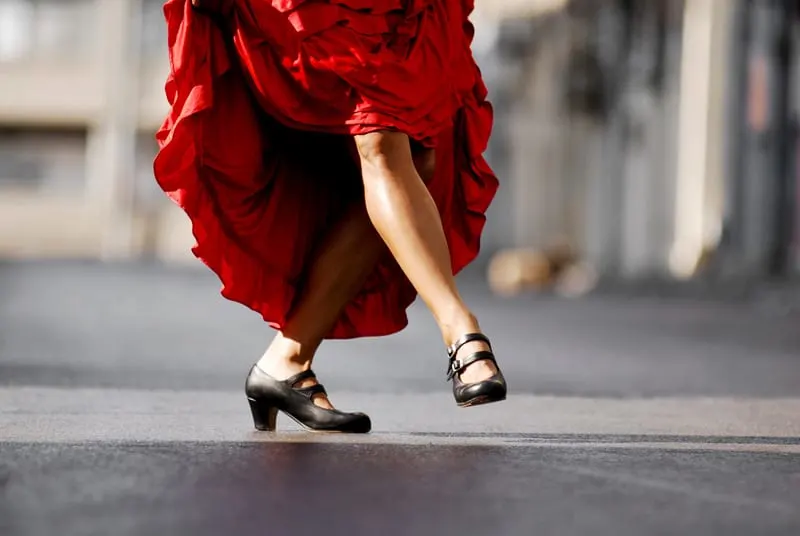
[
  {"x": 285, "y": 356},
  {"x": 459, "y": 326}
]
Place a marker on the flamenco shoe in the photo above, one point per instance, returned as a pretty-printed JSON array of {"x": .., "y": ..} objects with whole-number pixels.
[
  {"x": 267, "y": 396},
  {"x": 492, "y": 389}
]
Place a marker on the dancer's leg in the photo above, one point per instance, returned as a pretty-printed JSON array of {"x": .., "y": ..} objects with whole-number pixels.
[
  {"x": 344, "y": 262},
  {"x": 403, "y": 212}
]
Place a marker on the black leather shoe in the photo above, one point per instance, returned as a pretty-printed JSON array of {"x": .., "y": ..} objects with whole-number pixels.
[
  {"x": 267, "y": 396},
  {"x": 493, "y": 389}
]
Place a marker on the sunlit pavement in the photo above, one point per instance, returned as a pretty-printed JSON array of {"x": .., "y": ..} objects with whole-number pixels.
[{"x": 121, "y": 412}]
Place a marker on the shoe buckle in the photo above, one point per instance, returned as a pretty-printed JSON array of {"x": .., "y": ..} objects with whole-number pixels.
[{"x": 452, "y": 370}]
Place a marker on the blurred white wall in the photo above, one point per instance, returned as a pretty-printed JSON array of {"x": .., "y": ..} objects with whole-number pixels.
[{"x": 80, "y": 99}]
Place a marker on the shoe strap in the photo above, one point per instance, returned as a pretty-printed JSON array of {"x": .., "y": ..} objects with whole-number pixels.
[
  {"x": 469, "y": 337},
  {"x": 458, "y": 365},
  {"x": 312, "y": 390},
  {"x": 299, "y": 377}
]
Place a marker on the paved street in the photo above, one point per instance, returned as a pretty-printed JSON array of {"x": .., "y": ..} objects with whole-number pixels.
[{"x": 121, "y": 413}]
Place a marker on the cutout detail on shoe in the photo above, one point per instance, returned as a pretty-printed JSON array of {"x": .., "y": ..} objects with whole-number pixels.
[{"x": 307, "y": 385}]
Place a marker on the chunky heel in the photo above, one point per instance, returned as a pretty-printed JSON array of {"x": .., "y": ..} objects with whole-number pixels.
[{"x": 264, "y": 415}]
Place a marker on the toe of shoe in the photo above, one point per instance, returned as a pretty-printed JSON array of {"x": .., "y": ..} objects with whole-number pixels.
[
  {"x": 359, "y": 423},
  {"x": 489, "y": 389}
]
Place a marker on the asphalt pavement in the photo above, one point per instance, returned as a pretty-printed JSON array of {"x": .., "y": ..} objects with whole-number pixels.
[{"x": 121, "y": 412}]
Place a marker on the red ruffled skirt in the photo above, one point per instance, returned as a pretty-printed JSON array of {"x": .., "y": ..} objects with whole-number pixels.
[{"x": 257, "y": 149}]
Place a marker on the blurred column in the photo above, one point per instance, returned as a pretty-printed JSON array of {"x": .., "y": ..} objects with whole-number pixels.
[
  {"x": 761, "y": 202},
  {"x": 537, "y": 149},
  {"x": 700, "y": 180},
  {"x": 793, "y": 174},
  {"x": 649, "y": 105},
  {"x": 112, "y": 142},
  {"x": 760, "y": 138},
  {"x": 604, "y": 191},
  {"x": 784, "y": 97}
]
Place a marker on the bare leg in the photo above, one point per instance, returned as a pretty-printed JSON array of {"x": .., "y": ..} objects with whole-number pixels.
[
  {"x": 406, "y": 217},
  {"x": 345, "y": 260}
]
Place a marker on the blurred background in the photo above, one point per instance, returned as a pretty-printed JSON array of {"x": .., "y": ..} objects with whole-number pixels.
[
  {"x": 648, "y": 158},
  {"x": 635, "y": 140}
]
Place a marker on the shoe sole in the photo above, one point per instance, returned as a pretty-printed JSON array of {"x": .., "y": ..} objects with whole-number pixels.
[
  {"x": 479, "y": 401},
  {"x": 307, "y": 429}
]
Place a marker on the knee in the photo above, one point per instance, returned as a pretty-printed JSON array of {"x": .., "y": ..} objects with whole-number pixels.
[
  {"x": 425, "y": 162},
  {"x": 391, "y": 152},
  {"x": 382, "y": 150}
]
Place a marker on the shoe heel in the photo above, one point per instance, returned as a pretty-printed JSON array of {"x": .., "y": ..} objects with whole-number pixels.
[{"x": 264, "y": 415}]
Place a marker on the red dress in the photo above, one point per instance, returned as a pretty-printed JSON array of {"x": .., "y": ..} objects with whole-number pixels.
[{"x": 257, "y": 148}]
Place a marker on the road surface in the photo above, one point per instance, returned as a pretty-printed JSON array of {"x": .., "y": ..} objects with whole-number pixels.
[{"x": 121, "y": 412}]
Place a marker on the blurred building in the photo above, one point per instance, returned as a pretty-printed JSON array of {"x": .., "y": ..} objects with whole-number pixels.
[
  {"x": 80, "y": 99},
  {"x": 655, "y": 138}
]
